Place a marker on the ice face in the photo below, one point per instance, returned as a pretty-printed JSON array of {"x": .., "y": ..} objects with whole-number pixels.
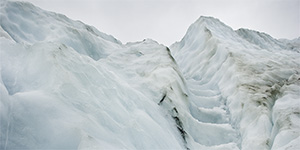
[
  {"x": 249, "y": 73},
  {"x": 66, "y": 85}
]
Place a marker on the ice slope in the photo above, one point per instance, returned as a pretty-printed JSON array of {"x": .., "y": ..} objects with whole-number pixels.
[
  {"x": 265, "y": 41},
  {"x": 66, "y": 85},
  {"x": 292, "y": 44},
  {"x": 70, "y": 101},
  {"x": 242, "y": 78},
  {"x": 28, "y": 24},
  {"x": 55, "y": 95}
]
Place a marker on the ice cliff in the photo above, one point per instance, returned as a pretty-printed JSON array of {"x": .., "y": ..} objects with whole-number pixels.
[{"x": 66, "y": 85}]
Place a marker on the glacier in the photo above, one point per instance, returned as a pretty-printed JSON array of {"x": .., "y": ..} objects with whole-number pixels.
[{"x": 66, "y": 85}]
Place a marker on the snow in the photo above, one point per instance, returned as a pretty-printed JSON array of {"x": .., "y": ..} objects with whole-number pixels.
[{"x": 66, "y": 85}]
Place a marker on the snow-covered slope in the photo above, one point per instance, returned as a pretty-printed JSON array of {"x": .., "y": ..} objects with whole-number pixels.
[{"x": 66, "y": 85}]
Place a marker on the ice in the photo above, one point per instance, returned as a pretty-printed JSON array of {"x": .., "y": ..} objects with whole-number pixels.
[
  {"x": 66, "y": 85},
  {"x": 249, "y": 70},
  {"x": 71, "y": 96},
  {"x": 28, "y": 24}
]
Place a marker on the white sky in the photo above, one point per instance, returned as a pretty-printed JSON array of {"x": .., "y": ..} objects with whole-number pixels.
[{"x": 166, "y": 21}]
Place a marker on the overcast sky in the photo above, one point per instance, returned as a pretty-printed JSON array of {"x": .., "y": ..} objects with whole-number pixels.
[{"x": 166, "y": 21}]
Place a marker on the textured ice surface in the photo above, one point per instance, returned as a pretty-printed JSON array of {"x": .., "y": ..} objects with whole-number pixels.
[
  {"x": 66, "y": 85},
  {"x": 253, "y": 76}
]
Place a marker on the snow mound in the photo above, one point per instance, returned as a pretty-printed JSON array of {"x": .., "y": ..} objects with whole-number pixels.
[{"x": 66, "y": 85}]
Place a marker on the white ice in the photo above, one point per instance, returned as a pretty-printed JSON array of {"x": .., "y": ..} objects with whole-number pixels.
[{"x": 66, "y": 85}]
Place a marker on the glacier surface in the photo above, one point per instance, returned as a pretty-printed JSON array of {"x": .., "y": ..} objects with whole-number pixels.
[{"x": 66, "y": 85}]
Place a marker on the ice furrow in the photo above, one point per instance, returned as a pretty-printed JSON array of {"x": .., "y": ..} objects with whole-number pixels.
[{"x": 216, "y": 116}]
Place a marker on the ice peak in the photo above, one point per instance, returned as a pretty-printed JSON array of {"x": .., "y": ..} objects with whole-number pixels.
[
  {"x": 208, "y": 19},
  {"x": 210, "y": 25},
  {"x": 210, "y": 22},
  {"x": 206, "y": 28}
]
